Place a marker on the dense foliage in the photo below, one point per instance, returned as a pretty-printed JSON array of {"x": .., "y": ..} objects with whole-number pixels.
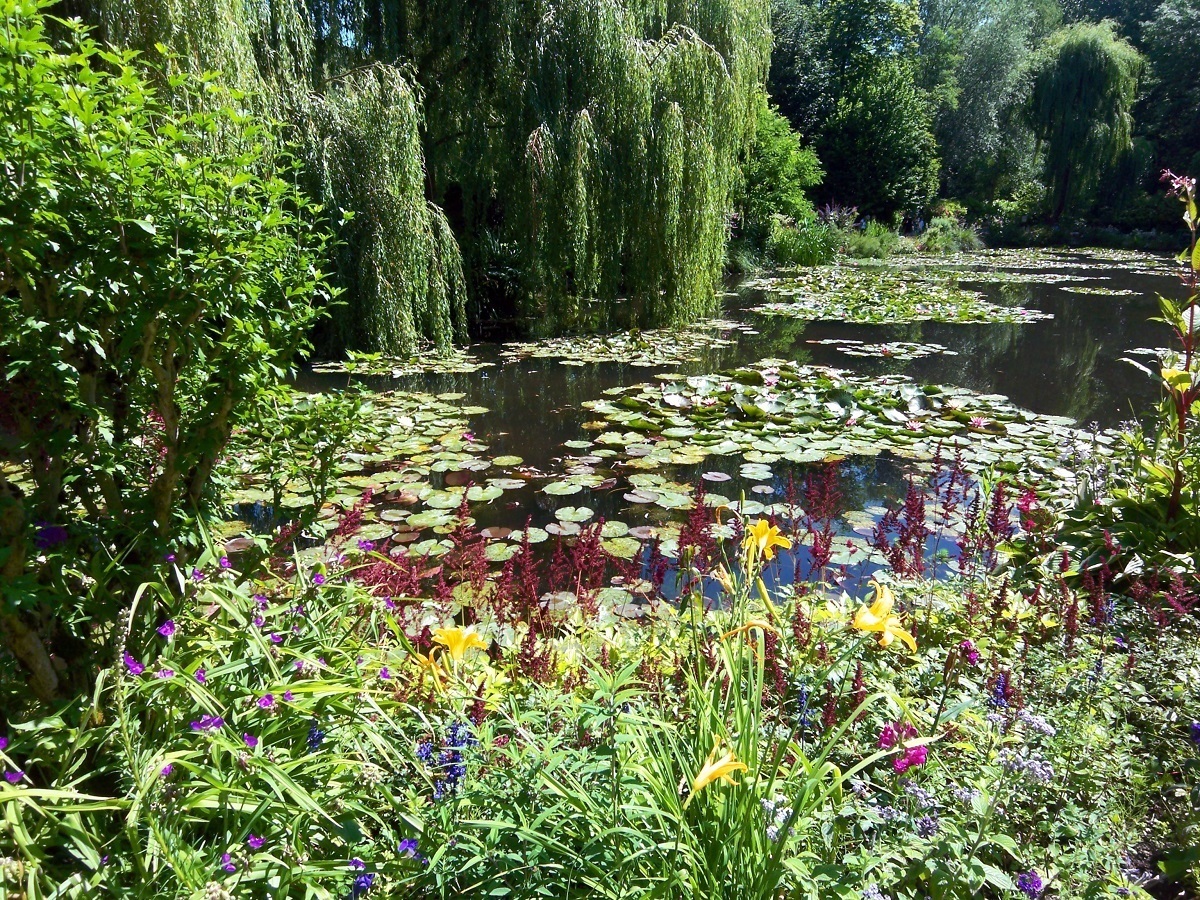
[{"x": 158, "y": 269}]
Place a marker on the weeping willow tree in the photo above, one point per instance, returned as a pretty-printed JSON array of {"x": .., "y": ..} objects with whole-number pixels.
[
  {"x": 1084, "y": 85},
  {"x": 586, "y": 149}
]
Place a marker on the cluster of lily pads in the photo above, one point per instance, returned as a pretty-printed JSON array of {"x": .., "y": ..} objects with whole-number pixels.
[
  {"x": 645, "y": 349},
  {"x": 879, "y": 297},
  {"x": 779, "y": 411},
  {"x": 897, "y": 350},
  {"x": 1102, "y": 291},
  {"x": 448, "y": 361}
]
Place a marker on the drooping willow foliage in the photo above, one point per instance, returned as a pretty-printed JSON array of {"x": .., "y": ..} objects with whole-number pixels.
[
  {"x": 1084, "y": 85},
  {"x": 584, "y": 151}
]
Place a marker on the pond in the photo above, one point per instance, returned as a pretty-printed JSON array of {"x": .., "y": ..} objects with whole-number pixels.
[{"x": 619, "y": 429}]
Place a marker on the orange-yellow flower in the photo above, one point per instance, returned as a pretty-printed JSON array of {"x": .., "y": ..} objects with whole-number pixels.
[
  {"x": 429, "y": 664},
  {"x": 753, "y": 623},
  {"x": 762, "y": 538},
  {"x": 718, "y": 767},
  {"x": 458, "y": 641},
  {"x": 878, "y": 618}
]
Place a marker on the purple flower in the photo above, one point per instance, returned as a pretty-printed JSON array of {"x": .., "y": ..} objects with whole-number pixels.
[
  {"x": 384, "y": 673},
  {"x": 14, "y": 777},
  {"x": 366, "y": 546},
  {"x": 197, "y": 575},
  {"x": 3, "y": 743},
  {"x": 201, "y": 676},
  {"x": 165, "y": 673},
  {"x": 167, "y": 628},
  {"x": 258, "y": 621},
  {"x": 970, "y": 654},
  {"x": 288, "y": 696},
  {"x": 167, "y": 770},
  {"x": 1030, "y": 884},
  {"x": 48, "y": 536},
  {"x": 1193, "y": 731},
  {"x": 251, "y": 740},
  {"x": 318, "y": 579},
  {"x": 357, "y": 864},
  {"x": 170, "y": 557},
  {"x": 260, "y": 601},
  {"x": 207, "y": 723},
  {"x": 225, "y": 563},
  {"x": 227, "y": 863},
  {"x": 275, "y": 638},
  {"x": 134, "y": 667},
  {"x": 254, "y": 842},
  {"x": 362, "y": 884},
  {"x": 408, "y": 847},
  {"x": 266, "y": 701}
]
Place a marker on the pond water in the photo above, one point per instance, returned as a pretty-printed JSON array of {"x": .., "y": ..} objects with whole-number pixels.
[{"x": 1064, "y": 364}]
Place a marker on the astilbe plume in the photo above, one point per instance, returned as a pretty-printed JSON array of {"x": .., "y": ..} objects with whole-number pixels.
[
  {"x": 801, "y": 626},
  {"x": 696, "y": 542},
  {"x": 822, "y": 498},
  {"x": 535, "y": 660},
  {"x": 351, "y": 520},
  {"x": 901, "y": 535},
  {"x": 775, "y": 687},
  {"x": 467, "y": 560},
  {"x": 829, "y": 711}
]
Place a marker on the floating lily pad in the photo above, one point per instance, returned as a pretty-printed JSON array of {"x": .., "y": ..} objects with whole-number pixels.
[
  {"x": 562, "y": 488},
  {"x": 574, "y": 514}
]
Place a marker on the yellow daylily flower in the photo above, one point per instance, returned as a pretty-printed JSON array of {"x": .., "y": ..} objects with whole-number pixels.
[
  {"x": 753, "y": 623},
  {"x": 723, "y": 578},
  {"x": 429, "y": 664},
  {"x": 718, "y": 767},
  {"x": 878, "y": 618},
  {"x": 762, "y": 538},
  {"x": 458, "y": 641}
]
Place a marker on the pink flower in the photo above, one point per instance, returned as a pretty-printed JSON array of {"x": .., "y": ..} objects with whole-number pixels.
[
  {"x": 913, "y": 756},
  {"x": 895, "y": 733}
]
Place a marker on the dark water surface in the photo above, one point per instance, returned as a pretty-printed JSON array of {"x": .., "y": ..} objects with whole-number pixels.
[{"x": 1069, "y": 365}]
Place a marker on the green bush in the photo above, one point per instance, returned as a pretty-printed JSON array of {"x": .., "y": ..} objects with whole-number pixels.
[
  {"x": 158, "y": 270},
  {"x": 947, "y": 235},
  {"x": 875, "y": 241},
  {"x": 801, "y": 244}
]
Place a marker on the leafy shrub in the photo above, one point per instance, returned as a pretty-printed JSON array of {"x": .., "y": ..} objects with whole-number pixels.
[
  {"x": 874, "y": 241},
  {"x": 158, "y": 270},
  {"x": 947, "y": 235},
  {"x": 801, "y": 244}
]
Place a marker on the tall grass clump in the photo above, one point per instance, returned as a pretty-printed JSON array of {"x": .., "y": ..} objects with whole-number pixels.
[
  {"x": 948, "y": 235},
  {"x": 872, "y": 241}
]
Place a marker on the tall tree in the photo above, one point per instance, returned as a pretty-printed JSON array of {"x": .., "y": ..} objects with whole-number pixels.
[
  {"x": 587, "y": 147},
  {"x": 1084, "y": 85}
]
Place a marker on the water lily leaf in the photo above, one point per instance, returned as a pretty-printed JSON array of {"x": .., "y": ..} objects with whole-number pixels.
[
  {"x": 622, "y": 547},
  {"x": 562, "y": 488},
  {"x": 574, "y": 513}
]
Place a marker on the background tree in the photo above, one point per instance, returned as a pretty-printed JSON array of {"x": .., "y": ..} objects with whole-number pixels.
[{"x": 1084, "y": 85}]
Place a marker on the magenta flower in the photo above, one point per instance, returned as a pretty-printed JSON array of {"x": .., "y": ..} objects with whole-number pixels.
[
  {"x": 227, "y": 863},
  {"x": 384, "y": 673},
  {"x": 895, "y": 733},
  {"x": 167, "y": 628},
  {"x": 255, "y": 842},
  {"x": 366, "y": 546},
  {"x": 201, "y": 676},
  {"x": 134, "y": 667},
  {"x": 258, "y": 621},
  {"x": 170, "y": 557},
  {"x": 913, "y": 757},
  {"x": 275, "y": 638},
  {"x": 3, "y": 743},
  {"x": 225, "y": 563},
  {"x": 288, "y": 696},
  {"x": 251, "y": 740},
  {"x": 970, "y": 654}
]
